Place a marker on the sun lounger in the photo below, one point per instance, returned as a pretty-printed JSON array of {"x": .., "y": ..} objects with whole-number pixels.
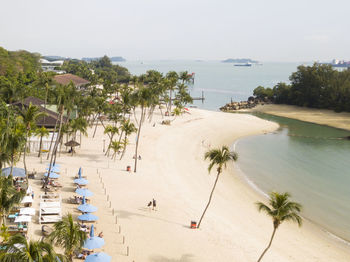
[
  {"x": 50, "y": 210},
  {"x": 50, "y": 204},
  {"x": 50, "y": 219}
]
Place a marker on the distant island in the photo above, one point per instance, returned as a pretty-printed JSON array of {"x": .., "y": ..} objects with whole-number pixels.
[
  {"x": 113, "y": 59},
  {"x": 239, "y": 60}
]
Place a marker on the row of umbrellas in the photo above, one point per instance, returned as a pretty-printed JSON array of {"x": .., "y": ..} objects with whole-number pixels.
[{"x": 93, "y": 241}]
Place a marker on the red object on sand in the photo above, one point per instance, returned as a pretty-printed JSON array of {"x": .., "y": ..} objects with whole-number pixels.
[{"x": 193, "y": 224}]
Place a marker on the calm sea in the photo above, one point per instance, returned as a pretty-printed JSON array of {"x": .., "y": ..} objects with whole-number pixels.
[{"x": 307, "y": 160}]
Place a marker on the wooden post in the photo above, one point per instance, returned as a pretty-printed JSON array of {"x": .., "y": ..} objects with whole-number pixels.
[
  {"x": 127, "y": 250},
  {"x": 123, "y": 239},
  {"x": 113, "y": 211},
  {"x": 116, "y": 219},
  {"x": 120, "y": 229}
]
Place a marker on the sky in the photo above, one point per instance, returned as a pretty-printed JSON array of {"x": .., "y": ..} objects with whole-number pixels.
[{"x": 265, "y": 30}]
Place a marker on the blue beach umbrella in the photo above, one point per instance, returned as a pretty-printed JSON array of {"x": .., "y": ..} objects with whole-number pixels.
[
  {"x": 54, "y": 169},
  {"x": 94, "y": 242},
  {"x": 16, "y": 172},
  {"x": 98, "y": 257},
  {"x": 81, "y": 181},
  {"x": 79, "y": 172},
  {"x": 86, "y": 208},
  {"x": 84, "y": 192},
  {"x": 88, "y": 217},
  {"x": 52, "y": 175}
]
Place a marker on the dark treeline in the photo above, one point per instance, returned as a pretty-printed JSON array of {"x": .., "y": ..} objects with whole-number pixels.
[{"x": 317, "y": 86}]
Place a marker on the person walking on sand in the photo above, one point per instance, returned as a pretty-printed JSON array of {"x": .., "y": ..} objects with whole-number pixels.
[
  {"x": 154, "y": 204},
  {"x": 149, "y": 205}
]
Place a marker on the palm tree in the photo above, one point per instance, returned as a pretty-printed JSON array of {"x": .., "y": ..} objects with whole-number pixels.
[
  {"x": 141, "y": 97},
  {"x": 79, "y": 124},
  {"x": 128, "y": 128},
  {"x": 9, "y": 197},
  {"x": 111, "y": 131},
  {"x": 29, "y": 117},
  {"x": 68, "y": 235},
  {"x": 172, "y": 78},
  {"x": 17, "y": 248},
  {"x": 42, "y": 132},
  {"x": 116, "y": 146},
  {"x": 218, "y": 157},
  {"x": 280, "y": 209}
]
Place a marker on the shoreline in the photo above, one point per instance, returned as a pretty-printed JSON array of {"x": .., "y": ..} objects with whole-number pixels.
[{"x": 317, "y": 116}]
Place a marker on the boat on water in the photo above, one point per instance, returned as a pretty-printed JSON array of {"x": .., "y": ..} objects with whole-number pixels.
[{"x": 245, "y": 64}]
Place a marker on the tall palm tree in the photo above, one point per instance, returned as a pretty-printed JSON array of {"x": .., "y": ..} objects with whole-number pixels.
[
  {"x": 29, "y": 117},
  {"x": 79, "y": 124},
  {"x": 280, "y": 209},
  {"x": 141, "y": 97},
  {"x": 17, "y": 248},
  {"x": 172, "y": 78},
  {"x": 218, "y": 157},
  {"x": 68, "y": 235},
  {"x": 9, "y": 197}
]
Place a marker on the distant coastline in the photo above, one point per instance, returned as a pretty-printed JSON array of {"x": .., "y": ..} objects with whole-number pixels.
[{"x": 113, "y": 59}]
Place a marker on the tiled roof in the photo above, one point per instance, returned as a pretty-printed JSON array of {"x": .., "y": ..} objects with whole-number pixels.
[{"x": 65, "y": 79}]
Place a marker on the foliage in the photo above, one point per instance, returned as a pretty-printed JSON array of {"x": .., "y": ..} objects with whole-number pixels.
[
  {"x": 17, "y": 248},
  {"x": 218, "y": 157},
  {"x": 280, "y": 209},
  {"x": 68, "y": 235},
  {"x": 317, "y": 86}
]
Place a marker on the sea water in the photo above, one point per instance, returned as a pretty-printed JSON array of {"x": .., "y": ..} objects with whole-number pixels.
[{"x": 309, "y": 161}]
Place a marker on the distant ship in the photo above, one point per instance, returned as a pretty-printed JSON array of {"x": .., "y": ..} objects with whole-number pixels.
[{"x": 245, "y": 64}]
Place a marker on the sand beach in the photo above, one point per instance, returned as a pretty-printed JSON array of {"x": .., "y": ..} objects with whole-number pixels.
[{"x": 173, "y": 171}]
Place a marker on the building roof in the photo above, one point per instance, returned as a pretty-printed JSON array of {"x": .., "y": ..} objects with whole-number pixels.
[
  {"x": 65, "y": 79},
  {"x": 51, "y": 117}
]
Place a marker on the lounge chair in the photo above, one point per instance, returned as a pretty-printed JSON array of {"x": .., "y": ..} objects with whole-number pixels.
[{"x": 50, "y": 219}]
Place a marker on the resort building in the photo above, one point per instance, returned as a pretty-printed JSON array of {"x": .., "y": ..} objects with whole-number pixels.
[{"x": 65, "y": 79}]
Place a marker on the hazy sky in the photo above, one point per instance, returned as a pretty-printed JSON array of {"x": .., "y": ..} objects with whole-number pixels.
[{"x": 267, "y": 30}]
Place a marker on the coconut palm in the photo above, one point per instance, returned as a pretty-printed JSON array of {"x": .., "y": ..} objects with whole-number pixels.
[
  {"x": 42, "y": 132},
  {"x": 79, "y": 124},
  {"x": 116, "y": 146},
  {"x": 29, "y": 117},
  {"x": 68, "y": 235},
  {"x": 218, "y": 157},
  {"x": 141, "y": 97},
  {"x": 128, "y": 128},
  {"x": 9, "y": 197},
  {"x": 111, "y": 131},
  {"x": 17, "y": 248},
  {"x": 280, "y": 209}
]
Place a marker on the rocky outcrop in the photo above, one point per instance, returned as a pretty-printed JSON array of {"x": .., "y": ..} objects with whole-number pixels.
[{"x": 243, "y": 105}]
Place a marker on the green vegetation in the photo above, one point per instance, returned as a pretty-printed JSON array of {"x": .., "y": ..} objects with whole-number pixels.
[
  {"x": 317, "y": 86},
  {"x": 218, "y": 157},
  {"x": 68, "y": 235},
  {"x": 280, "y": 209}
]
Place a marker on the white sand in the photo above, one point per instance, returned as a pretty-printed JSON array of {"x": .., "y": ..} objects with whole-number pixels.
[
  {"x": 313, "y": 115},
  {"x": 172, "y": 170}
]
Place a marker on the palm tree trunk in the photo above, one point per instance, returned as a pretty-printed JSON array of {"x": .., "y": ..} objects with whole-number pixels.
[
  {"x": 124, "y": 149},
  {"x": 24, "y": 157},
  {"x": 54, "y": 151},
  {"x": 53, "y": 135},
  {"x": 273, "y": 234},
  {"x": 138, "y": 139},
  {"x": 211, "y": 195},
  {"x": 96, "y": 126},
  {"x": 40, "y": 145}
]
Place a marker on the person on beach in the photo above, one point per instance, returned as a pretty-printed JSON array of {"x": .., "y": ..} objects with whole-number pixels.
[
  {"x": 154, "y": 204},
  {"x": 149, "y": 205},
  {"x": 100, "y": 234}
]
